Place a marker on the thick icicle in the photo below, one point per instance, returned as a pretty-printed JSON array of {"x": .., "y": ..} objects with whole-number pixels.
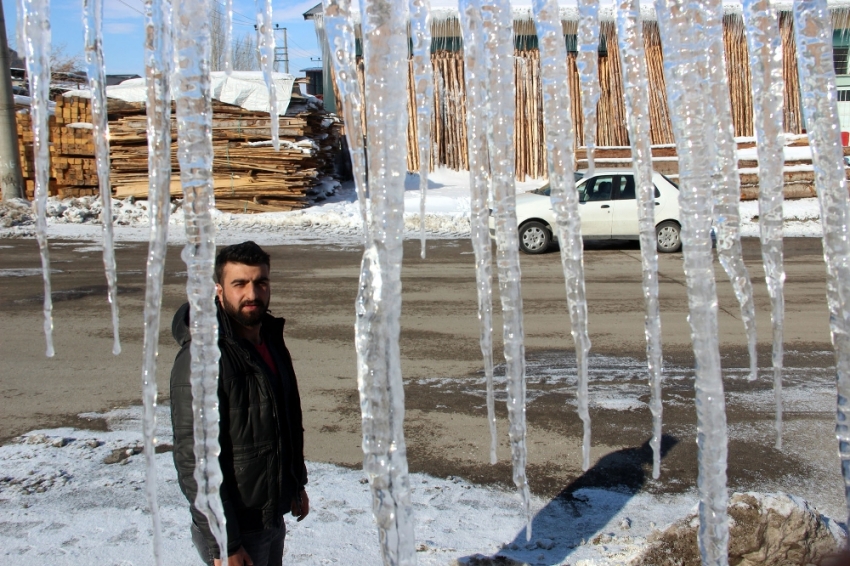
[
  {"x": 765, "y": 47},
  {"x": 498, "y": 50},
  {"x": 813, "y": 32},
  {"x": 726, "y": 182},
  {"x": 34, "y": 22},
  {"x": 194, "y": 152},
  {"x": 636, "y": 89},
  {"x": 560, "y": 148},
  {"x": 338, "y": 29},
  {"x": 682, "y": 26},
  {"x": 423, "y": 85},
  {"x": 93, "y": 26},
  {"x": 587, "y": 61},
  {"x": 266, "y": 50},
  {"x": 158, "y": 67},
  {"x": 379, "y": 298},
  {"x": 475, "y": 79}
]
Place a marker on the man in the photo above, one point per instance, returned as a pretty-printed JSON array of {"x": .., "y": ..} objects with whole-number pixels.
[{"x": 261, "y": 436}]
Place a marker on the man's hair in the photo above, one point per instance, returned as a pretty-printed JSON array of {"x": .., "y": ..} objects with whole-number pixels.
[{"x": 246, "y": 253}]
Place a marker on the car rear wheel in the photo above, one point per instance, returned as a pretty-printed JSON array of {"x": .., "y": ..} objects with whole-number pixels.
[
  {"x": 534, "y": 237},
  {"x": 669, "y": 237}
]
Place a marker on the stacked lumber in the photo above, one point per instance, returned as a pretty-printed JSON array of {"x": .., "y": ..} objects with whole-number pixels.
[{"x": 248, "y": 174}]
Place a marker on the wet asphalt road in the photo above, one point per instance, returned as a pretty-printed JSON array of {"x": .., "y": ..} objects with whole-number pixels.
[{"x": 314, "y": 287}]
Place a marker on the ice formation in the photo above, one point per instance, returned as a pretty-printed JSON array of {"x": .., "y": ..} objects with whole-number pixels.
[
  {"x": 93, "y": 20},
  {"x": 379, "y": 298},
  {"x": 726, "y": 183},
  {"x": 813, "y": 32},
  {"x": 494, "y": 44},
  {"x": 34, "y": 33},
  {"x": 636, "y": 89},
  {"x": 423, "y": 85},
  {"x": 267, "y": 56},
  {"x": 765, "y": 47},
  {"x": 338, "y": 29},
  {"x": 191, "y": 37},
  {"x": 560, "y": 148},
  {"x": 475, "y": 78},
  {"x": 158, "y": 67},
  {"x": 587, "y": 62}
]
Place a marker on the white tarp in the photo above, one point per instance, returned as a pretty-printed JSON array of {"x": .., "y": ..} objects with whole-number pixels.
[{"x": 246, "y": 89}]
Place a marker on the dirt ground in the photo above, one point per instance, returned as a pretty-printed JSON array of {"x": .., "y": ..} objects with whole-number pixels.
[{"x": 314, "y": 288}]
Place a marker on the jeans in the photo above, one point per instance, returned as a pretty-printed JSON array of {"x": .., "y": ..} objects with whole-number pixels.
[{"x": 264, "y": 547}]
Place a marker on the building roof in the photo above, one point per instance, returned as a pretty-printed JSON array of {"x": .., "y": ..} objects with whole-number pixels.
[{"x": 313, "y": 12}]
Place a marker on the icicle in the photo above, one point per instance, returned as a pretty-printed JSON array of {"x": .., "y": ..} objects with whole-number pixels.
[
  {"x": 475, "y": 79},
  {"x": 338, "y": 29},
  {"x": 726, "y": 182},
  {"x": 228, "y": 37},
  {"x": 384, "y": 25},
  {"x": 498, "y": 51},
  {"x": 35, "y": 30},
  {"x": 686, "y": 62},
  {"x": 423, "y": 80},
  {"x": 813, "y": 33},
  {"x": 636, "y": 89},
  {"x": 587, "y": 61},
  {"x": 560, "y": 148},
  {"x": 765, "y": 47},
  {"x": 158, "y": 67},
  {"x": 93, "y": 26},
  {"x": 266, "y": 49},
  {"x": 194, "y": 152}
]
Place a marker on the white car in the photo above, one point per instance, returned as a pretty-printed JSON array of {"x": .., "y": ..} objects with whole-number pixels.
[{"x": 608, "y": 210}]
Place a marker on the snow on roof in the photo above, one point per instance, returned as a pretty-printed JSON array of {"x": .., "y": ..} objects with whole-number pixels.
[{"x": 246, "y": 89}]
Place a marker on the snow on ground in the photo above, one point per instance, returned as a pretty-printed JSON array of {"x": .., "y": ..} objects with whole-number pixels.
[
  {"x": 61, "y": 502},
  {"x": 335, "y": 220}
]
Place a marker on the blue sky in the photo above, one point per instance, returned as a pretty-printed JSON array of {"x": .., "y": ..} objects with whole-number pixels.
[{"x": 123, "y": 30}]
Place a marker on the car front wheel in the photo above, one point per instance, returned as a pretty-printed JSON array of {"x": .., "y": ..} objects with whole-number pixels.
[
  {"x": 669, "y": 237},
  {"x": 534, "y": 237}
]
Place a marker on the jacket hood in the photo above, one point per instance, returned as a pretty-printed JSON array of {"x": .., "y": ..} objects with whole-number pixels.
[{"x": 182, "y": 334}]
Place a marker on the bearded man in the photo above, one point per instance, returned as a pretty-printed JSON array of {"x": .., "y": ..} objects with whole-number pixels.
[{"x": 261, "y": 435}]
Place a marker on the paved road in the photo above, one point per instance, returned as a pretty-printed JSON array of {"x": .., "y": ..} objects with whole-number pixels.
[{"x": 314, "y": 288}]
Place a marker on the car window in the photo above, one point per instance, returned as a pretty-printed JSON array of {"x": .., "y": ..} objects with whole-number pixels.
[
  {"x": 597, "y": 188},
  {"x": 625, "y": 187}
]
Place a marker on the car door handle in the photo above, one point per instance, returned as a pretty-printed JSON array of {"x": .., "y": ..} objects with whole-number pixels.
[
  {"x": 657, "y": 203},
  {"x": 605, "y": 206}
]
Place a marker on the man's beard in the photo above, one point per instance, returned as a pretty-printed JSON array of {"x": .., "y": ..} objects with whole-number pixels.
[{"x": 247, "y": 319}]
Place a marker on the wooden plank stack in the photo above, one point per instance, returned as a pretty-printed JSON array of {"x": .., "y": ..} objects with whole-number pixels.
[{"x": 248, "y": 174}]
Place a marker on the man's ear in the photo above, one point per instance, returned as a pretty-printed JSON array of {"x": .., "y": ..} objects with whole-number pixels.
[{"x": 218, "y": 290}]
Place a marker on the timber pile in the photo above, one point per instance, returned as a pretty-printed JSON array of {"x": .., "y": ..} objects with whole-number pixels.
[{"x": 248, "y": 174}]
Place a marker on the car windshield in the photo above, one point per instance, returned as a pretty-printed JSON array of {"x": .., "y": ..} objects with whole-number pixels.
[
  {"x": 666, "y": 178},
  {"x": 546, "y": 190}
]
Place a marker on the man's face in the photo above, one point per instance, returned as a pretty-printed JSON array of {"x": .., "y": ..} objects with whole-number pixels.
[{"x": 244, "y": 292}]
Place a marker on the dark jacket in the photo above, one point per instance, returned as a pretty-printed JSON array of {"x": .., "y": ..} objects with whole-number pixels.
[{"x": 261, "y": 435}]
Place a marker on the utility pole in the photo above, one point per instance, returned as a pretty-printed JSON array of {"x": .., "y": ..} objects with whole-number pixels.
[
  {"x": 11, "y": 181},
  {"x": 281, "y": 54}
]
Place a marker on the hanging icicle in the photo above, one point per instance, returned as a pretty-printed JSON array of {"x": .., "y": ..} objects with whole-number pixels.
[
  {"x": 636, "y": 89},
  {"x": 423, "y": 88},
  {"x": 587, "y": 62},
  {"x": 813, "y": 32},
  {"x": 194, "y": 152},
  {"x": 384, "y": 27},
  {"x": 560, "y": 147},
  {"x": 158, "y": 67},
  {"x": 686, "y": 72},
  {"x": 34, "y": 30},
  {"x": 765, "y": 47},
  {"x": 267, "y": 49},
  {"x": 338, "y": 29},
  {"x": 497, "y": 48},
  {"x": 93, "y": 26},
  {"x": 475, "y": 78},
  {"x": 726, "y": 182}
]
